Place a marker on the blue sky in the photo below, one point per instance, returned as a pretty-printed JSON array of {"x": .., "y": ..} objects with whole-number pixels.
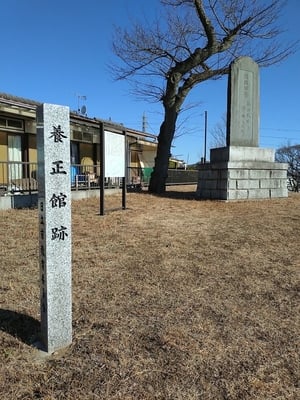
[{"x": 57, "y": 51}]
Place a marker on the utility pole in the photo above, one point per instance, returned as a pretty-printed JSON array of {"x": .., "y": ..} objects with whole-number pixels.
[
  {"x": 205, "y": 134},
  {"x": 144, "y": 123}
]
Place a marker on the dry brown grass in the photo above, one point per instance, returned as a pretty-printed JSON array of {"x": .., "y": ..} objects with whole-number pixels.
[{"x": 172, "y": 299}]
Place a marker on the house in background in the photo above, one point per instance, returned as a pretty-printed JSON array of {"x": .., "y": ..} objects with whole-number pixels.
[
  {"x": 18, "y": 147},
  {"x": 175, "y": 163}
]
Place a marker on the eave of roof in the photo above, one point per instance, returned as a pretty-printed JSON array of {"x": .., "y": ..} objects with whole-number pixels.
[{"x": 32, "y": 104}]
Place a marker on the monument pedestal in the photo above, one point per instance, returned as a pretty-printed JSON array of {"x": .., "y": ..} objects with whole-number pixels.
[
  {"x": 242, "y": 170},
  {"x": 242, "y": 173}
]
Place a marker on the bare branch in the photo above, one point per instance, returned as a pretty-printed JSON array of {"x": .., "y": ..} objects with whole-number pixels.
[
  {"x": 193, "y": 41},
  {"x": 207, "y": 25}
]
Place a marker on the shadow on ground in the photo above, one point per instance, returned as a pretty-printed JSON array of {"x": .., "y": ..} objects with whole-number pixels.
[
  {"x": 175, "y": 194},
  {"x": 19, "y": 325}
]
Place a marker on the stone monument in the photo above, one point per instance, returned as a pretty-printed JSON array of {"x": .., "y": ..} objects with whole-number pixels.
[
  {"x": 242, "y": 170},
  {"x": 54, "y": 205},
  {"x": 243, "y": 104}
]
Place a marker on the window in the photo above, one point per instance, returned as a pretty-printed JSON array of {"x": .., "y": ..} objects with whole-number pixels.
[
  {"x": 15, "y": 123},
  {"x": 12, "y": 124}
]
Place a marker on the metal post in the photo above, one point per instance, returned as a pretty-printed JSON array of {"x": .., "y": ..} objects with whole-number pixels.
[
  {"x": 124, "y": 179},
  {"x": 102, "y": 168}
]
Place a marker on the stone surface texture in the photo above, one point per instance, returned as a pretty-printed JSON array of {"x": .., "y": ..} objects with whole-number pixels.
[
  {"x": 242, "y": 170},
  {"x": 242, "y": 180},
  {"x": 243, "y": 103},
  {"x": 54, "y": 205}
]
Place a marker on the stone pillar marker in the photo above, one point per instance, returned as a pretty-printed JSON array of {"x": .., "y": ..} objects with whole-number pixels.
[
  {"x": 242, "y": 170},
  {"x": 243, "y": 103},
  {"x": 54, "y": 205}
]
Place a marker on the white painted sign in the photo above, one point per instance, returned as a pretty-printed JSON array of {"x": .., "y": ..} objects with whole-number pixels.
[{"x": 114, "y": 155}]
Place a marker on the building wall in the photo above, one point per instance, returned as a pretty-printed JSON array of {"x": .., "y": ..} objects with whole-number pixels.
[
  {"x": 3, "y": 146},
  {"x": 32, "y": 150},
  {"x": 3, "y": 157}
]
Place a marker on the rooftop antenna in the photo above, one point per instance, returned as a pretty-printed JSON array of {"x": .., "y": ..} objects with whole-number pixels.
[{"x": 81, "y": 109}]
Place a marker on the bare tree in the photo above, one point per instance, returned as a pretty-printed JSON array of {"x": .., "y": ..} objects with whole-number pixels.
[
  {"x": 291, "y": 155},
  {"x": 190, "y": 42},
  {"x": 218, "y": 134}
]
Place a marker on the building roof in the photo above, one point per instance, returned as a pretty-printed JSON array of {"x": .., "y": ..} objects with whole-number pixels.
[{"x": 30, "y": 105}]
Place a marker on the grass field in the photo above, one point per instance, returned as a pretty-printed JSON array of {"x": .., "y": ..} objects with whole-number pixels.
[{"x": 173, "y": 298}]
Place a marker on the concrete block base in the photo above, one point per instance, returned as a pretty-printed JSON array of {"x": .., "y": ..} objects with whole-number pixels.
[{"x": 242, "y": 173}]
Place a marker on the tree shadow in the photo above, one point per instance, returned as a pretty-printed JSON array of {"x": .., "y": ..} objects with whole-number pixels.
[
  {"x": 175, "y": 194},
  {"x": 21, "y": 326}
]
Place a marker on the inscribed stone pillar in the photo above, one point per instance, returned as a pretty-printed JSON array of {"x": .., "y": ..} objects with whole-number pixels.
[
  {"x": 53, "y": 142},
  {"x": 243, "y": 104}
]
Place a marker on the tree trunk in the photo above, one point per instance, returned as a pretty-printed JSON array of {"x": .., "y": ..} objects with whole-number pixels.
[{"x": 166, "y": 134}]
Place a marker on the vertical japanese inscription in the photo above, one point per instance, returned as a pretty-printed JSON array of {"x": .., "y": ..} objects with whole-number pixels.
[
  {"x": 53, "y": 137},
  {"x": 243, "y": 104},
  {"x": 246, "y": 103}
]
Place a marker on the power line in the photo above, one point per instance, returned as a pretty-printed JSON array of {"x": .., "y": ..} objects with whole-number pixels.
[
  {"x": 279, "y": 137},
  {"x": 280, "y": 129}
]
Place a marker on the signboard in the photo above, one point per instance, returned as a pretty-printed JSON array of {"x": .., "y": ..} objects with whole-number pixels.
[
  {"x": 114, "y": 155},
  {"x": 112, "y": 161}
]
